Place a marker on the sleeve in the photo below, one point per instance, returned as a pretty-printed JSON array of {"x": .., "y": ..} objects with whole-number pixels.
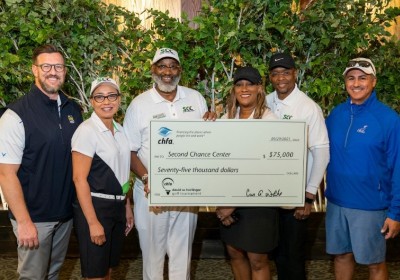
[
  {"x": 320, "y": 162},
  {"x": 132, "y": 126},
  {"x": 12, "y": 138},
  {"x": 394, "y": 161},
  {"x": 83, "y": 140},
  {"x": 318, "y": 134}
]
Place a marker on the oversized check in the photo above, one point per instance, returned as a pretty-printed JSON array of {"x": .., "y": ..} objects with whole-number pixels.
[{"x": 228, "y": 162}]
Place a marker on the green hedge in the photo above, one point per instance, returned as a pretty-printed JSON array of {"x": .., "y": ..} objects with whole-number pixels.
[{"x": 108, "y": 40}]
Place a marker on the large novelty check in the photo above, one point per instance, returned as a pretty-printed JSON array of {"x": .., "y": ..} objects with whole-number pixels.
[{"x": 228, "y": 162}]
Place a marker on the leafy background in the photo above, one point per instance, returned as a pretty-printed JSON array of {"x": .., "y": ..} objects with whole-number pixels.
[{"x": 109, "y": 40}]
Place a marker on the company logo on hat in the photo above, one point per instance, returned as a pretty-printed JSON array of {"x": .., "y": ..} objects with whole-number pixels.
[
  {"x": 281, "y": 60},
  {"x": 103, "y": 80},
  {"x": 164, "y": 53},
  {"x": 165, "y": 50}
]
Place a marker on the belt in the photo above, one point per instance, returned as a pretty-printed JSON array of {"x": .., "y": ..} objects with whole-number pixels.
[{"x": 108, "y": 196}]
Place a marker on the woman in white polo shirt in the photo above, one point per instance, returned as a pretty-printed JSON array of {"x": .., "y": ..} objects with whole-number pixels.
[{"x": 101, "y": 162}]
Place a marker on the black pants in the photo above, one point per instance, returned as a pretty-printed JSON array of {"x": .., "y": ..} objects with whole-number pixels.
[{"x": 290, "y": 254}]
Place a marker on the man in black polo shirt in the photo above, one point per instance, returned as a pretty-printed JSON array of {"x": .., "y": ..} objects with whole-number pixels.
[{"x": 35, "y": 167}]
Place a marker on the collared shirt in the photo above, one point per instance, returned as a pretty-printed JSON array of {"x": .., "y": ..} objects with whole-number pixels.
[
  {"x": 110, "y": 153},
  {"x": 150, "y": 105},
  {"x": 299, "y": 106},
  {"x": 12, "y": 139},
  {"x": 36, "y": 133}
]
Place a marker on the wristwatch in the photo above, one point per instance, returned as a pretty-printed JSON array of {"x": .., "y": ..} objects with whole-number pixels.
[
  {"x": 309, "y": 200},
  {"x": 145, "y": 178}
]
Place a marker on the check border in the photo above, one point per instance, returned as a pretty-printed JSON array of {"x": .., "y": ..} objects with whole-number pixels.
[{"x": 228, "y": 162}]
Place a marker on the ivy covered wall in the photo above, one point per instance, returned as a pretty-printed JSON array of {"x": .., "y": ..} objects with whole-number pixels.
[{"x": 100, "y": 39}]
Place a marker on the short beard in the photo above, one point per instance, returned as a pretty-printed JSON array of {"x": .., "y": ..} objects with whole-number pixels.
[
  {"x": 166, "y": 87},
  {"x": 49, "y": 90}
]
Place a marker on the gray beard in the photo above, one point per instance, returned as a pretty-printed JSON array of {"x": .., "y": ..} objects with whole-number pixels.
[
  {"x": 49, "y": 90},
  {"x": 166, "y": 87}
]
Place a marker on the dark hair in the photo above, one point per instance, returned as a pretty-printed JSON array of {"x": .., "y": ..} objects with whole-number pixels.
[{"x": 48, "y": 48}]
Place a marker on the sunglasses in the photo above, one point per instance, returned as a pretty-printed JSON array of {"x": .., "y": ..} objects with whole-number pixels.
[{"x": 353, "y": 63}]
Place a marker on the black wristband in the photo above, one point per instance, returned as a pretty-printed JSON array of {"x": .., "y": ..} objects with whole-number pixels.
[{"x": 309, "y": 200}]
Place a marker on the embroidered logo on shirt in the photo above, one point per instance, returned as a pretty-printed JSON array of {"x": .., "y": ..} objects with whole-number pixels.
[
  {"x": 287, "y": 117},
  {"x": 187, "y": 109},
  {"x": 3, "y": 154},
  {"x": 362, "y": 129},
  {"x": 71, "y": 119},
  {"x": 159, "y": 116}
]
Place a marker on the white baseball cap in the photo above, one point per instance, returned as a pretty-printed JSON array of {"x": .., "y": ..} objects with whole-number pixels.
[
  {"x": 103, "y": 80},
  {"x": 165, "y": 52},
  {"x": 363, "y": 64}
]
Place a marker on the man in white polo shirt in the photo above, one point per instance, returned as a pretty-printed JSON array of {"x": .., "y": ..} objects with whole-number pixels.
[
  {"x": 289, "y": 102},
  {"x": 162, "y": 230}
]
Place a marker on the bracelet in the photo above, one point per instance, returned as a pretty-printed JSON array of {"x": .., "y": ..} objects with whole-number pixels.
[
  {"x": 309, "y": 200},
  {"x": 145, "y": 178}
]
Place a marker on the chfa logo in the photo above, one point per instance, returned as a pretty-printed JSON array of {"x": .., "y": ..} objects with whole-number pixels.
[
  {"x": 167, "y": 184},
  {"x": 164, "y": 132}
]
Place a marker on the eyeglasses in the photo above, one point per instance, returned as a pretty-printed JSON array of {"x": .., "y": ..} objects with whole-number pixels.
[
  {"x": 101, "y": 98},
  {"x": 353, "y": 63},
  {"x": 163, "y": 67},
  {"x": 47, "y": 67}
]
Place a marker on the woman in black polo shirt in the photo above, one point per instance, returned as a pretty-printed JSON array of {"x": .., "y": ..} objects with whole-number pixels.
[
  {"x": 249, "y": 233},
  {"x": 101, "y": 162}
]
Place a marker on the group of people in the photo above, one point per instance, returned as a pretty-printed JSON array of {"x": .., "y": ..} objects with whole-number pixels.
[{"x": 59, "y": 172}]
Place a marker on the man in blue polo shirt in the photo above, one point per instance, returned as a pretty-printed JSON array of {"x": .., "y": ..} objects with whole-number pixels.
[{"x": 35, "y": 167}]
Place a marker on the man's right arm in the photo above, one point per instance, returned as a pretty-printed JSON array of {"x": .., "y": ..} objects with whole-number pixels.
[
  {"x": 139, "y": 169},
  {"x": 11, "y": 187}
]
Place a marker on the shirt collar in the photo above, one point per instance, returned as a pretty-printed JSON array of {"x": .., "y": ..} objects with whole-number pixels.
[
  {"x": 157, "y": 98},
  {"x": 291, "y": 99},
  {"x": 61, "y": 99},
  {"x": 238, "y": 114},
  {"x": 100, "y": 125}
]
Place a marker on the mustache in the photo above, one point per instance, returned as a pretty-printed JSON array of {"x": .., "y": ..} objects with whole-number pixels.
[{"x": 52, "y": 76}]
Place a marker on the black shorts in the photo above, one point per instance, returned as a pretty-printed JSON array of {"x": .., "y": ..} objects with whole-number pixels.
[{"x": 96, "y": 260}]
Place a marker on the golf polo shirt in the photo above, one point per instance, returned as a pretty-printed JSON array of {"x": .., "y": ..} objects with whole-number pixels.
[
  {"x": 109, "y": 173},
  {"x": 36, "y": 133},
  {"x": 298, "y": 106},
  {"x": 188, "y": 104}
]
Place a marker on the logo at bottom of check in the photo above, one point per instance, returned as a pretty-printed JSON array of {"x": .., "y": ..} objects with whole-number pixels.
[{"x": 167, "y": 184}]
